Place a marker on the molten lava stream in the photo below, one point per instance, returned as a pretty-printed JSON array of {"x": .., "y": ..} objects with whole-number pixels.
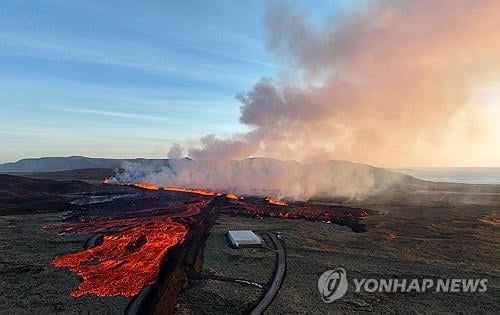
[
  {"x": 191, "y": 190},
  {"x": 129, "y": 258},
  {"x": 233, "y": 196},
  {"x": 126, "y": 261},
  {"x": 197, "y": 191},
  {"x": 276, "y": 202},
  {"x": 146, "y": 186}
]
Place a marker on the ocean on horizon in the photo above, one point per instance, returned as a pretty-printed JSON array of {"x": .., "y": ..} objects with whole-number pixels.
[{"x": 466, "y": 175}]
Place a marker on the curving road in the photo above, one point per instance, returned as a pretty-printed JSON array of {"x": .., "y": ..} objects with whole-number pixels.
[
  {"x": 235, "y": 280},
  {"x": 279, "y": 274}
]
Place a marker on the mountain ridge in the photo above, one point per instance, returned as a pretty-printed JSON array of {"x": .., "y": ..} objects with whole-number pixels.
[{"x": 56, "y": 164}]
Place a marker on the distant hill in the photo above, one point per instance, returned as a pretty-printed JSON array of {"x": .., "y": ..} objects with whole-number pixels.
[
  {"x": 89, "y": 175},
  {"x": 329, "y": 181},
  {"x": 55, "y": 164},
  {"x": 28, "y": 195}
]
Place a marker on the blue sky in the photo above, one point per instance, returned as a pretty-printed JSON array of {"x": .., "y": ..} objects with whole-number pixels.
[{"x": 127, "y": 79}]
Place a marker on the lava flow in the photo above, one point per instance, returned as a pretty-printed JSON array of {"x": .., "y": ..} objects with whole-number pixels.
[
  {"x": 126, "y": 261},
  {"x": 146, "y": 186},
  {"x": 178, "y": 189},
  {"x": 191, "y": 190},
  {"x": 276, "y": 202},
  {"x": 233, "y": 196},
  {"x": 142, "y": 229},
  {"x": 133, "y": 249}
]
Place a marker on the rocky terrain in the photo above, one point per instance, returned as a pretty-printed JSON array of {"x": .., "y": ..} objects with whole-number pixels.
[
  {"x": 26, "y": 195},
  {"x": 402, "y": 242},
  {"x": 433, "y": 230}
]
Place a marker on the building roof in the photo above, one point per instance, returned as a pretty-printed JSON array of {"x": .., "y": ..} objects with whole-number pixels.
[{"x": 244, "y": 236}]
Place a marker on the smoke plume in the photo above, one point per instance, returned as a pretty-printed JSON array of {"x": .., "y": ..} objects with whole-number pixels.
[
  {"x": 265, "y": 177},
  {"x": 395, "y": 83},
  {"x": 389, "y": 84}
]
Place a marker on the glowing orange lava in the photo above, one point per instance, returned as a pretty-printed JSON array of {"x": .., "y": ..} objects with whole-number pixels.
[
  {"x": 178, "y": 189},
  {"x": 146, "y": 186},
  {"x": 138, "y": 238},
  {"x": 191, "y": 190},
  {"x": 115, "y": 267},
  {"x": 233, "y": 196},
  {"x": 276, "y": 202},
  {"x": 129, "y": 258}
]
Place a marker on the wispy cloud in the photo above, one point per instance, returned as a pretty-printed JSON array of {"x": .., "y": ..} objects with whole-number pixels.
[
  {"x": 113, "y": 114},
  {"x": 135, "y": 55}
]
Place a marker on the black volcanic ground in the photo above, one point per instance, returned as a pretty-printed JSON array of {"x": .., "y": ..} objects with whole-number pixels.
[
  {"x": 421, "y": 230},
  {"x": 27, "y": 195}
]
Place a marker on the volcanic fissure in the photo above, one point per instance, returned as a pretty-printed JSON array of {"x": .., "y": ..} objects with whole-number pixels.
[{"x": 146, "y": 246}]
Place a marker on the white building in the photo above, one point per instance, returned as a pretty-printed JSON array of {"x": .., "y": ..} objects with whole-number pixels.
[{"x": 241, "y": 238}]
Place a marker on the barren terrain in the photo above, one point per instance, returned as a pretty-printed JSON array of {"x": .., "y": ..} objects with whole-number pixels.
[{"x": 438, "y": 231}]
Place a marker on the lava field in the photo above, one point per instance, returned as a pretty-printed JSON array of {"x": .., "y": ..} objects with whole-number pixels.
[{"x": 134, "y": 235}]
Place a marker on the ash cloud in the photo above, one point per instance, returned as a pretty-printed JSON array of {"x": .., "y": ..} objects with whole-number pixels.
[{"x": 385, "y": 85}]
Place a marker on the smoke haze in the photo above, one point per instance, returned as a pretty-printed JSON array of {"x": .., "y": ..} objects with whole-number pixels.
[
  {"x": 397, "y": 83},
  {"x": 394, "y": 83},
  {"x": 264, "y": 177}
]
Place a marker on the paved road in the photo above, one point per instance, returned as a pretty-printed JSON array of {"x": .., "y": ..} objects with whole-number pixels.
[
  {"x": 235, "y": 280},
  {"x": 279, "y": 274}
]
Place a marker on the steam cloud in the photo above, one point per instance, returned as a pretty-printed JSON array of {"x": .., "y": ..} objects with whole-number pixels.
[
  {"x": 388, "y": 84},
  {"x": 265, "y": 177}
]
